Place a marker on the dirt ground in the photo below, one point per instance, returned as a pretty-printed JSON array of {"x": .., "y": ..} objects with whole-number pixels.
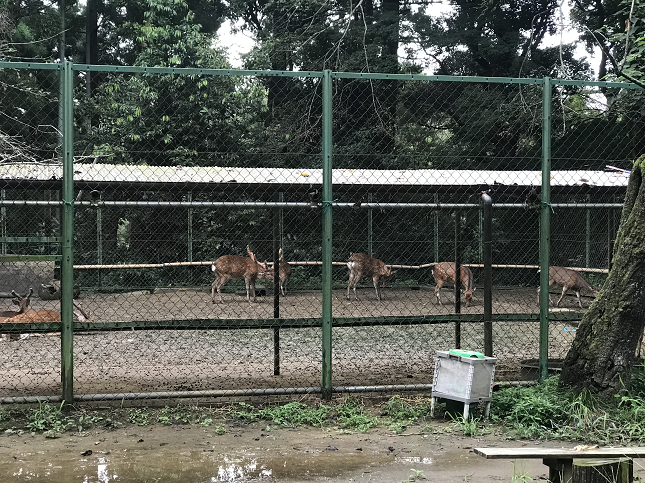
[
  {"x": 258, "y": 452},
  {"x": 190, "y": 360}
]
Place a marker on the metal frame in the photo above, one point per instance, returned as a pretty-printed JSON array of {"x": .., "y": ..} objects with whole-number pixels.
[{"x": 67, "y": 205}]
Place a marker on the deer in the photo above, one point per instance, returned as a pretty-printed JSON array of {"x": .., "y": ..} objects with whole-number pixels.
[
  {"x": 34, "y": 316},
  {"x": 569, "y": 280},
  {"x": 23, "y": 303},
  {"x": 360, "y": 264},
  {"x": 444, "y": 273},
  {"x": 284, "y": 270},
  {"x": 235, "y": 266}
]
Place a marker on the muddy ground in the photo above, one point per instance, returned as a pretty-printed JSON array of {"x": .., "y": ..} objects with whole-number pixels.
[
  {"x": 260, "y": 452},
  {"x": 190, "y": 360}
]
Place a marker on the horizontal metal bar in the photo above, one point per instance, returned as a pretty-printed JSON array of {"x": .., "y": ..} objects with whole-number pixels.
[
  {"x": 30, "y": 258},
  {"x": 302, "y": 323},
  {"x": 440, "y": 78},
  {"x": 299, "y": 204},
  {"x": 585, "y": 83},
  {"x": 129, "y": 396},
  {"x": 30, "y": 239},
  {"x": 586, "y": 205},
  {"x": 194, "y": 71},
  {"x": 31, "y": 65}
]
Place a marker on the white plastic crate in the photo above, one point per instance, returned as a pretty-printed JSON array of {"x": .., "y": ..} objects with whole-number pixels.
[{"x": 465, "y": 379}]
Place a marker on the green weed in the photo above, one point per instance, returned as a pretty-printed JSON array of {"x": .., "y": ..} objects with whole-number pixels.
[
  {"x": 140, "y": 417},
  {"x": 352, "y": 415},
  {"x": 220, "y": 430},
  {"x": 468, "y": 426},
  {"x": 548, "y": 411},
  {"x": 178, "y": 415},
  {"x": 206, "y": 422},
  {"x": 48, "y": 418},
  {"x": 402, "y": 413},
  {"x": 291, "y": 414}
]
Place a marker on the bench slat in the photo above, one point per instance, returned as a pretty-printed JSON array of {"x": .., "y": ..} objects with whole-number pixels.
[{"x": 528, "y": 453}]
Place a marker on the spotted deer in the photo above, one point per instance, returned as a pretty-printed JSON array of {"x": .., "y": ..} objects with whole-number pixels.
[
  {"x": 284, "y": 270},
  {"x": 569, "y": 280},
  {"x": 360, "y": 264},
  {"x": 444, "y": 273},
  {"x": 23, "y": 303},
  {"x": 233, "y": 266}
]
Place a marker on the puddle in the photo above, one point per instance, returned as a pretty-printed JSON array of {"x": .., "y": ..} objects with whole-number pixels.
[{"x": 185, "y": 467}]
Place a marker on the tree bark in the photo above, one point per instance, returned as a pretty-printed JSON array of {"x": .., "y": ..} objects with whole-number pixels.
[{"x": 605, "y": 345}]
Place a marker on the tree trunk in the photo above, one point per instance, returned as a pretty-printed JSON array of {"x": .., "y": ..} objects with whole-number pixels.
[{"x": 604, "y": 348}]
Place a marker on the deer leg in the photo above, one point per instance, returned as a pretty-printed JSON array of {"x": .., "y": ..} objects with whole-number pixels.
[
  {"x": 250, "y": 285},
  {"x": 349, "y": 283},
  {"x": 579, "y": 301},
  {"x": 376, "y": 287},
  {"x": 253, "y": 289},
  {"x": 219, "y": 283},
  {"x": 215, "y": 287},
  {"x": 564, "y": 291},
  {"x": 357, "y": 278},
  {"x": 437, "y": 292},
  {"x": 283, "y": 287}
]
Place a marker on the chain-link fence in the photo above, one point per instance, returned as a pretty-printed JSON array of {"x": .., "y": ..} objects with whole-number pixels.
[{"x": 215, "y": 251}]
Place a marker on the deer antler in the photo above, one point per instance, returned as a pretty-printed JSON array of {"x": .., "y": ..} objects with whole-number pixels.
[
  {"x": 248, "y": 250},
  {"x": 280, "y": 254},
  {"x": 13, "y": 292}
]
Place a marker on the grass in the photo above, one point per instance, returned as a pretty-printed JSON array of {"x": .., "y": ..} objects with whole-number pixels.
[
  {"x": 546, "y": 411},
  {"x": 542, "y": 411}
]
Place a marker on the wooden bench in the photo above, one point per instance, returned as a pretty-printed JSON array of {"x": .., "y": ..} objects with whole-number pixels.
[{"x": 560, "y": 461}]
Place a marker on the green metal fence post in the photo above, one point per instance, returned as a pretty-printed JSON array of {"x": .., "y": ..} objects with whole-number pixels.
[
  {"x": 486, "y": 215},
  {"x": 545, "y": 229},
  {"x": 326, "y": 234},
  {"x": 67, "y": 226}
]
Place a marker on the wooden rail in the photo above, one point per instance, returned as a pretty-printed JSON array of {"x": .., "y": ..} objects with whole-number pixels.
[{"x": 316, "y": 263}]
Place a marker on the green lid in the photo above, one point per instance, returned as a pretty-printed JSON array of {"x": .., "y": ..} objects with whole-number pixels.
[{"x": 462, "y": 353}]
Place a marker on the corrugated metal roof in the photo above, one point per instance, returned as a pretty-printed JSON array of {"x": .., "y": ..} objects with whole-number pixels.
[{"x": 355, "y": 177}]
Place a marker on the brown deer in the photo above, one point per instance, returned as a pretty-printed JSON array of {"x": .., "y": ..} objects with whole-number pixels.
[
  {"x": 234, "y": 266},
  {"x": 23, "y": 303},
  {"x": 360, "y": 264},
  {"x": 569, "y": 280},
  {"x": 444, "y": 273},
  {"x": 284, "y": 270}
]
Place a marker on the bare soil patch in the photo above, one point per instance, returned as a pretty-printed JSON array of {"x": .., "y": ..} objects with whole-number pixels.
[{"x": 189, "y": 360}]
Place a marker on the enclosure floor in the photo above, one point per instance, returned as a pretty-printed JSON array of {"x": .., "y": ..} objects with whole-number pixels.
[{"x": 171, "y": 360}]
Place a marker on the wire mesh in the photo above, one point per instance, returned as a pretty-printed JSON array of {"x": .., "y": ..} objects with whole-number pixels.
[
  {"x": 29, "y": 234},
  {"x": 186, "y": 179}
]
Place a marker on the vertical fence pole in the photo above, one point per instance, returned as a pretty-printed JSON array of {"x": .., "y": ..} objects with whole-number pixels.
[
  {"x": 370, "y": 227},
  {"x": 588, "y": 234},
  {"x": 99, "y": 242},
  {"x": 487, "y": 255},
  {"x": 189, "y": 237},
  {"x": 611, "y": 235},
  {"x": 436, "y": 230},
  {"x": 3, "y": 222},
  {"x": 326, "y": 234},
  {"x": 67, "y": 224},
  {"x": 457, "y": 277},
  {"x": 545, "y": 230},
  {"x": 276, "y": 287}
]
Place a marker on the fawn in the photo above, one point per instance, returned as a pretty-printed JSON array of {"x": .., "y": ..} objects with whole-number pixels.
[
  {"x": 234, "y": 266},
  {"x": 444, "y": 272},
  {"x": 360, "y": 264},
  {"x": 569, "y": 280}
]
